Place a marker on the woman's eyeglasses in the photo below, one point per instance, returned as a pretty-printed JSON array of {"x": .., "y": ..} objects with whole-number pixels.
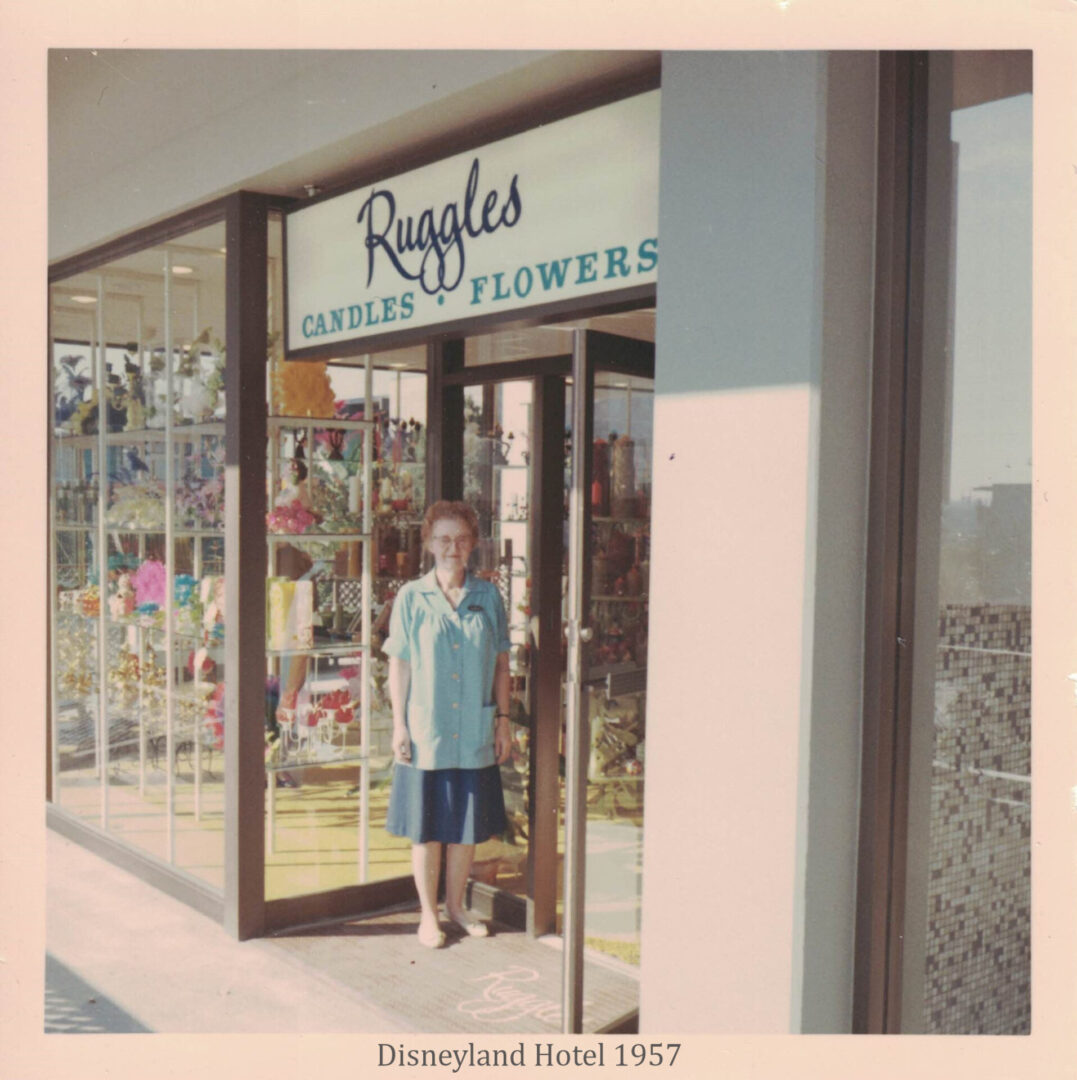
[{"x": 463, "y": 540}]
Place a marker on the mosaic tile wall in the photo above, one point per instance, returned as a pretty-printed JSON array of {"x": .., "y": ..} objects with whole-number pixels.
[{"x": 979, "y": 957}]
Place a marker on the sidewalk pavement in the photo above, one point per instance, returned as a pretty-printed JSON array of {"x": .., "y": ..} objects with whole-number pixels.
[{"x": 124, "y": 957}]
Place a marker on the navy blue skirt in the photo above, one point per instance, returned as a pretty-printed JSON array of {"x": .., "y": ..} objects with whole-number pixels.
[{"x": 450, "y": 806}]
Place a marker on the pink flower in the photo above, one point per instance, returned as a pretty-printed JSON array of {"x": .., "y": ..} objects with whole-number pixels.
[
  {"x": 149, "y": 583},
  {"x": 292, "y": 517}
]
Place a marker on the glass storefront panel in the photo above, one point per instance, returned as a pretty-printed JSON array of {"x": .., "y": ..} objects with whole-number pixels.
[
  {"x": 76, "y": 764},
  {"x": 498, "y": 441},
  {"x": 617, "y": 675},
  {"x": 336, "y": 445},
  {"x": 968, "y": 923},
  {"x": 137, "y": 547},
  {"x": 497, "y": 483}
]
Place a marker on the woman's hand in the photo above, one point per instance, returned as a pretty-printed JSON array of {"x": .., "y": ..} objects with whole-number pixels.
[
  {"x": 401, "y": 744},
  {"x": 502, "y": 741}
]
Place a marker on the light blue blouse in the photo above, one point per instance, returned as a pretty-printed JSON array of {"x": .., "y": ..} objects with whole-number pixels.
[{"x": 450, "y": 707}]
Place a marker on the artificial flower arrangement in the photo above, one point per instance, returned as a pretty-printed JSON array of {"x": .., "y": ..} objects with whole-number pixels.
[
  {"x": 339, "y": 706},
  {"x": 197, "y": 385},
  {"x": 72, "y": 380},
  {"x": 187, "y": 605},
  {"x": 91, "y": 600},
  {"x": 200, "y": 499},
  {"x": 211, "y": 595},
  {"x": 301, "y": 388},
  {"x": 123, "y": 679},
  {"x": 401, "y": 440},
  {"x": 190, "y": 707},
  {"x": 335, "y": 441},
  {"x": 200, "y": 665},
  {"x": 153, "y": 673},
  {"x": 76, "y": 649},
  {"x": 200, "y": 503},
  {"x": 149, "y": 585},
  {"x": 137, "y": 505},
  {"x": 84, "y": 419},
  {"x": 329, "y": 492},
  {"x": 201, "y": 392},
  {"x": 121, "y": 602},
  {"x": 214, "y": 717},
  {"x": 291, "y": 516}
]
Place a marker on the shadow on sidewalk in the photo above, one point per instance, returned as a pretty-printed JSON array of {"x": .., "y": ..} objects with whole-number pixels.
[{"x": 74, "y": 1007}]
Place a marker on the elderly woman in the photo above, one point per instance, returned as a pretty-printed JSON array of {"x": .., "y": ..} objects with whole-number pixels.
[{"x": 448, "y": 650}]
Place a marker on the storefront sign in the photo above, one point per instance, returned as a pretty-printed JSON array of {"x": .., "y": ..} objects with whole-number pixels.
[{"x": 566, "y": 210}]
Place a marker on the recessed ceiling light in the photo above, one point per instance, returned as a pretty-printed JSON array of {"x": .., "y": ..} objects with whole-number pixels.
[
  {"x": 621, "y": 385},
  {"x": 182, "y": 269},
  {"x": 398, "y": 365},
  {"x": 84, "y": 299}
]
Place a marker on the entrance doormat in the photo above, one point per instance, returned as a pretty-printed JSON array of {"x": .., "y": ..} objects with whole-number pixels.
[{"x": 507, "y": 983}]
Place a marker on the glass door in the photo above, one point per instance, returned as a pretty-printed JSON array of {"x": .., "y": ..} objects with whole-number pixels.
[
  {"x": 606, "y": 676},
  {"x": 565, "y": 518},
  {"x": 497, "y": 483},
  {"x": 616, "y": 672}
]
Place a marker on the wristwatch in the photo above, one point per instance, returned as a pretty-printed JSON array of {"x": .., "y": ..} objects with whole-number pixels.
[{"x": 502, "y": 716}]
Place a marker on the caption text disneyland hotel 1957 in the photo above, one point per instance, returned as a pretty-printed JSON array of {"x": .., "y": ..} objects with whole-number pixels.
[{"x": 538, "y": 1054}]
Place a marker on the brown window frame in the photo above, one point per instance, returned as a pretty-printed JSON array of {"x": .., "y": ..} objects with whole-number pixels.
[{"x": 892, "y": 541}]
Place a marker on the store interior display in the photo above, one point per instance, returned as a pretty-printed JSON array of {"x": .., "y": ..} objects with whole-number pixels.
[
  {"x": 161, "y": 491},
  {"x": 620, "y": 572},
  {"x": 139, "y": 577},
  {"x": 496, "y": 483},
  {"x": 346, "y": 490}
]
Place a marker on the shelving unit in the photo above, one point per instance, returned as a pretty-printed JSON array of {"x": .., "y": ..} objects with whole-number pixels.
[
  {"x": 123, "y": 460},
  {"x": 335, "y": 560}
]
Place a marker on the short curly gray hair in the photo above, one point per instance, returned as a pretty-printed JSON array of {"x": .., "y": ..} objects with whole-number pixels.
[{"x": 456, "y": 511}]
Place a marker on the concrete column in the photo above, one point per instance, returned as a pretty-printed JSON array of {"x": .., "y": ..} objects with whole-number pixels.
[{"x": 763, "y": 331}]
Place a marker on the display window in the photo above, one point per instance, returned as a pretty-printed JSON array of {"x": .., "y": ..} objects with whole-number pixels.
[
  {"x": 137, "y": 560},
  {"x": 345, "y": 494}
]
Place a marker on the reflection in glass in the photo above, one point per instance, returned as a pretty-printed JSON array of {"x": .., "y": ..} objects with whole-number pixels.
[{"x": 974, "y": 972}]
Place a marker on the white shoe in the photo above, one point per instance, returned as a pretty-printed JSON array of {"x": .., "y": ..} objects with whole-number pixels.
[
  {"x": 434, "y": 939},
  {"x": 471, "y": 927}
]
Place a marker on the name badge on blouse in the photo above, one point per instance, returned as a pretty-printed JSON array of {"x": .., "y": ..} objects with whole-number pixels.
[{"x": 474, "y": 607}]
